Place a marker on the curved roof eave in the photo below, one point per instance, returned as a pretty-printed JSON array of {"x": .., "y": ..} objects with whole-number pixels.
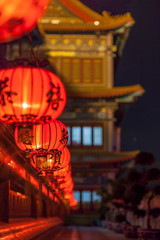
[
  {"x": 119, "y": 93},
  {"x": 78, "y": 17}
]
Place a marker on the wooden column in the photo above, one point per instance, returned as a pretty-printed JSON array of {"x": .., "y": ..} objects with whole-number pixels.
[
  {"x": 28, "y": 189},
  {"x": 91, "y": 202},
  {"x": 4, "y": 201},
  {"x": 34, "y": 210},
  {"x": 40, "y": 199},
  {"x": 118, "y": 139},
  {"x": 48, "y": 203},
  {"x": 2, "y": 50},
  {"x": 81, "y": 203},
  {"x": 61, "y": 209}
]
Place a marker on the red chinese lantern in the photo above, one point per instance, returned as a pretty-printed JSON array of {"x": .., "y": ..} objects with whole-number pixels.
[
  {"x": 67, "y": 189},
  {"x": 55, "y": 164},
  {"x": 18, "y": 17},
  {"x": 68, "y": 195},
  {"x": 64, "y": 188},
  {"x": 30, "y": 95},
  {"x": 57, "y": 175},
  {"x": 42, "y": 138},
  {"x": 66, "y": 184},
  {"x": 73, "y": 203}
]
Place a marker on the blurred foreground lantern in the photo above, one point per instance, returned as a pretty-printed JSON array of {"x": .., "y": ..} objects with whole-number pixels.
[
  {"x": 42, "y": 138},
  {"x": 30, "y": 95},
  {"x": 52, "y": 162},
  {"x": 18, "y": 17}
]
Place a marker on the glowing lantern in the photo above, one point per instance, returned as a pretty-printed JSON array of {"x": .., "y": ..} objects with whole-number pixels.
[
  {"x": 68, "y": 194},
  {"x": 49, "y": 163},
  {"x": 58, "y": 175},
  {"x": 30, "y": 95},
  {"x": 72, "y": 202},
  {"x": 66, "y": 184},
  {"x": 42, "y": 138},
  {"x": 19, "y": 17},
  {"x": 67, "y": 189}
]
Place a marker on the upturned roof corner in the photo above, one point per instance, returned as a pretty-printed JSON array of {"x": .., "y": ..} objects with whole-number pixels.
[{"x": 73, "y": 15}]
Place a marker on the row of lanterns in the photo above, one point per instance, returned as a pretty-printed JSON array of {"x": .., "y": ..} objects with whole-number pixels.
[
  {"x": 63, "y": 179},
  {"x": 32, "y": 99}
]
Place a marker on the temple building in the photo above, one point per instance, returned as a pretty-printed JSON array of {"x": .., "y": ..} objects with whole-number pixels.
[{"x": 83, "y": 48}]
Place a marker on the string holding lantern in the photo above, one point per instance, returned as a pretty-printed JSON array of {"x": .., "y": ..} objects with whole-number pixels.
[
  {"x": 30, "y": 95},
  {"x": 15, "y": 21}
]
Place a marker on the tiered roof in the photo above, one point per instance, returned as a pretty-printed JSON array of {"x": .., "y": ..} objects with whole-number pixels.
[
  {"x": 120, "y": 94},
  {"x": 73, "y": 15}
]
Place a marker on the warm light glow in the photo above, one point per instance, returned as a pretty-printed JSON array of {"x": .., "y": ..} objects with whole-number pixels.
[
  {"x": 6, "y": 159},
  {"x": 17, "y": 194},
  {"x": 44, "y": 190},
  {"x": 30, "y": 95},
  {"x": 34, "y": 182},
  {"x": 24, "y": 105},
  {"x": 96, "y": 23},
  {"x": 50, "y": 163},
  {"x": 51, "y": 195},
  {"x": 55, "y": 21},
  {"x": 61, "y": 53},
  {"x": 51, "y": 137},
  {"x": 73, "y": 202}
]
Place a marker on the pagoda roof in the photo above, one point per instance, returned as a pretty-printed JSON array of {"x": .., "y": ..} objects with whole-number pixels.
[
  {"x": 121, "y": 94},
  {"x": 104, "y": 158},
  {"x": 73, "y": 15}
]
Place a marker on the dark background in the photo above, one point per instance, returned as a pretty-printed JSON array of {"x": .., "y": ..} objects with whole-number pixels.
[{"x": 139, "y": 64}]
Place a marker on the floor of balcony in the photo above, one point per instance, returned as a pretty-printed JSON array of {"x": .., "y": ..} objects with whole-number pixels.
[{"x": 81, "y": 233}]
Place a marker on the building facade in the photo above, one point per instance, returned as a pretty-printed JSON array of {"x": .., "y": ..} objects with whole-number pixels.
[{"x": 83, "y": 48}]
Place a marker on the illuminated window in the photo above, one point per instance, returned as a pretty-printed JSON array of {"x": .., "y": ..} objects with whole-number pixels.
[
  {"x": 86, "y": 196},
  {"x": 77, "y": 195},
  {"x": 96, "y": 197},
  {"x": 82, "y": 70},
  {"x": 69, "y": 135},
  {"x": 85, "y": 136},
  {"x": 97, "y": 136},
  {"x": 76, "y": 135}
]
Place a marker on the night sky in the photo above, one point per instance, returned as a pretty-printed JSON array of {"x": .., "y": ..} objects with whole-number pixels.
[{"x": 140, "y": 63}]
